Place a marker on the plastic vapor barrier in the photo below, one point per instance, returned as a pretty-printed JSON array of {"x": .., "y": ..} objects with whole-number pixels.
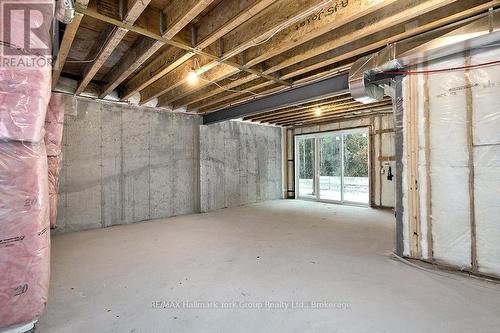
[
  {"x": 54, "y": 163},
  {"x": 54, "y": 122},
  {"x": 456, "y": 164},
  {"x": 24, "y": 95},
  {"x": 24, "y": 232},
  {"x": 25, "y": 81}
]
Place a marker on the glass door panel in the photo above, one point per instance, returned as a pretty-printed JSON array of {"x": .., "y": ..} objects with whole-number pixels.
[
  {"x": 330, "y": 167},
  {"x": 305, "y": 159},
  {"x": 356, "y": 174}
]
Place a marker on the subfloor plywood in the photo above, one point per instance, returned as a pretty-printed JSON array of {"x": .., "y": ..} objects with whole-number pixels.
[{"x": 106, "y": 280}]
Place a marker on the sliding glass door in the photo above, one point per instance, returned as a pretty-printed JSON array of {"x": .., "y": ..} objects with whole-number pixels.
[
  {"x": 330, "y": 167},
  {"x": 333, "y": 166},
  {"x": 305, "y": 170}
]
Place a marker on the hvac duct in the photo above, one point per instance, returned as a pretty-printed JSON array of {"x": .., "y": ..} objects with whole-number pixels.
[
  {"x": 65, "y": 11},
  {"x": 472, "y": 33}
]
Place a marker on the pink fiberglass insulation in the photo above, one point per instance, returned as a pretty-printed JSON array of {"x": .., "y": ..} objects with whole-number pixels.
[
  {"x": 24, "y": 232},
  {"x": 24, "y": 94},
  {"x": 54, "y": 163},
  {"x": 54, "y": 125},
  {"x": 25, "y": 71}
]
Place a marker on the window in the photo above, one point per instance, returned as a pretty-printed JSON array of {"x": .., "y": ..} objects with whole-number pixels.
[{"x": 334, "y": 166}]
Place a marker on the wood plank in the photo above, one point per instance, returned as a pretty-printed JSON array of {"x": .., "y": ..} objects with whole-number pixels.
[
  {"x": 327, "y": 101},
  {"x": 140, "y": 52},
  {"x": 470, "y": 161},
  {"x": 175, "y": 78},
  {"x": 341, "y": 115},
  {"x": 372, "y": 162},
  {"x": 394, "y": 15},
  {"x": 212, "y": 90},
  {"x": 428, "y": 157},
  {"x": 342, "y": 108},
  {"x": 380, "y": 164},
  {"x": 412, "y": 165},
  {"x": 152, "y": 33},
  {"x": 111, "y": 40},
  {"x": 227, "y": 16},
  {"x": 244, "y": 90},
  {"x": 329, "y": 18},
  {"x": 215, "y": 74},
  {"x": 282, "y": 14},
  {"x": 274, "y": 88},
  {"x": 438, "y": 18},
  {"x": 425, "y": 23},
  {"x": 292, "y": 22},
  {"x": 309, "y": 110},
  {"x": 180, "y": 13},
  {"x": 67, "y": 41},
  {"x": 162, "y": 64}
]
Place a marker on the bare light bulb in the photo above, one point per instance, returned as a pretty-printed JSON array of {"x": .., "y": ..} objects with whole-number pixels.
[
  {"x": 318, "y": 112},
  {"x": 192, "y": 77}
]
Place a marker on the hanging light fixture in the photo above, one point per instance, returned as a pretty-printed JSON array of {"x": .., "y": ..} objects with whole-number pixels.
[
  {"x": 318, "y": 111},
  {"x": 192, "y": 77}
]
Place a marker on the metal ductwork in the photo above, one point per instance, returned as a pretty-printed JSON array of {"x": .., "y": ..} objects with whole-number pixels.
[
  {"x": 472, "y": 33},
  {"x": 65, "y": 11}
]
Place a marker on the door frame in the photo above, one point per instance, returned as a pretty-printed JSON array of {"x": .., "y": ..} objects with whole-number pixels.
[{"x": 316, "y": 136}]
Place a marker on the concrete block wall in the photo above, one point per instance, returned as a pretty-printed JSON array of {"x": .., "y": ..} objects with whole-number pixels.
[
  {"x": 240, "y": 163},
  {"x": 124, "y": 164}
]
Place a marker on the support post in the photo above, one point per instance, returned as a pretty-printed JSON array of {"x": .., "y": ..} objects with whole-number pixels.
[{"x": 398, "y": 128}]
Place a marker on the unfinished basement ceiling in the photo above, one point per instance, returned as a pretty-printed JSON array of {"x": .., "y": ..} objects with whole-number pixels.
[{"x": 240, "y": 50}]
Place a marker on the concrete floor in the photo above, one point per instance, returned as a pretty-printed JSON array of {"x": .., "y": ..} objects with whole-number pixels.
[{"x": 107, "y": 280}]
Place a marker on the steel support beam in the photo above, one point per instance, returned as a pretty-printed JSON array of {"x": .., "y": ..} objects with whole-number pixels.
[{"x": 307, "y": 93}]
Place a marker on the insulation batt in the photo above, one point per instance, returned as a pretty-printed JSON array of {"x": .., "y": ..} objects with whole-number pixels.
[
  {"x": 24, "y": 95},
  {"x": 54, "y": 163},
  {"x": 24, "y": 232},
  {"x": 54, "y": 122}
]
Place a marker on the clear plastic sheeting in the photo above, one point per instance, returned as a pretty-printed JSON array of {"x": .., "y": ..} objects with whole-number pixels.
[
  {"x": 24, "y": 95},
  {"x": 25, "y": 81},
  {"x": 54, "y": 122},
  {"x": 451, "y": 129},
  {"x": 54, "y": 163},
  {"x": 486, "y": 141},
  {"x": 24, "y": 232}
]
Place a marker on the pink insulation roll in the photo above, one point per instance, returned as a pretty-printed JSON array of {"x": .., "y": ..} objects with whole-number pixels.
[
  {"x": 24, "y": 232},
  {"x": 24, "y": 95},
  {"x": 54, "y": 163},
  {"x": 54, "y": 125}
]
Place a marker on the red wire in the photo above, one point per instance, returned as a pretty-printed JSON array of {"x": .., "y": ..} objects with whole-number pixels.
[{"x": 444, "y": 69}]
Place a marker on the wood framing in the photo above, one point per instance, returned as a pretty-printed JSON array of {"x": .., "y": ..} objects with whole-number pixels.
[
  {"x": 109, "y": 40},
  {"x": 67, "y": 41},
  {"x": 470, "y": 162}
]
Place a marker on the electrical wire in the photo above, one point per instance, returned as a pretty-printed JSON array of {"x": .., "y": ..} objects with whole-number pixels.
[
  {"x": 286, "y": 24},
  {"x": 97, "y": 54},
  {"x": 441, "y": 70},
  {"x": 231, "y": 90}
]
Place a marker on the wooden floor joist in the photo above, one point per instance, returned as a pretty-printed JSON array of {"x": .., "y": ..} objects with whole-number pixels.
[
  {"x": 444, "y": 15},
  {"x": 242, "y": 48},
  {"x": 67, "y": 41},
  {"x": 109, "y": 40}
]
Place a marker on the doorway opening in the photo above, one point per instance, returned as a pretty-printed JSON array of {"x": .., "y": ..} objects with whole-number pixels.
[{"x": 334, "y": 166}]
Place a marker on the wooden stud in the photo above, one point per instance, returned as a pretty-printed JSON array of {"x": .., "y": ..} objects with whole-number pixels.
[
  {"x": 428, "y": 156},
  {"x": 373, "y": 173},
  {"x": 470, "y": 162},
  {"x": 380, "y": 165}
]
